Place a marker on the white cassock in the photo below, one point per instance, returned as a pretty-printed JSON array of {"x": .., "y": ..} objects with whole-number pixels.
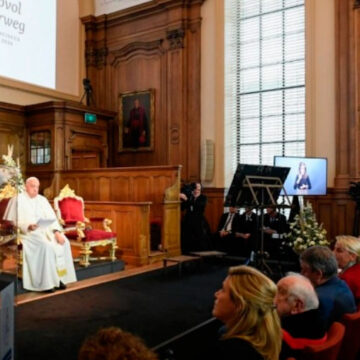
[{"x": 45, "y": 261}]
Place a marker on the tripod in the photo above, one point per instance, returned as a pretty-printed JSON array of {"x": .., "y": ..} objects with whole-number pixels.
[{"x": 88, "y": 92}]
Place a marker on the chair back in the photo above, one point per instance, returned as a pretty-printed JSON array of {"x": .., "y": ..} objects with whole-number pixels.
[
  {"x": 351, "y": 343},
  {"x": 69, "y": 207},
  {"x": 7, "y": 229},
  {"x": 330, "y": 349}
]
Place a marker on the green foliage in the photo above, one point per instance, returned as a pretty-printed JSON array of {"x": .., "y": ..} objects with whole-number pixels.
[{"x": 305, "y": 231}]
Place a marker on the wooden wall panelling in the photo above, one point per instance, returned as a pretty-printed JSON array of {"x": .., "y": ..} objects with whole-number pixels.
[
  {"x": 215, "y": 206},
  {"x": 176, "y": 99},
  {"x": 132, "y": 225},
  {"x": 154, "y": 45},
  {"x": 193, "y": 39},
  {"x": 336, "y": 211},
  {"x": 70, "y": 133},
  {"x": 121, "y": 188},
  {"x": 138, "y": 184},
  {"x": 345, "y": 98},
  {"x": 12, "y": 131},
  {"x": 348, "y": 97}
]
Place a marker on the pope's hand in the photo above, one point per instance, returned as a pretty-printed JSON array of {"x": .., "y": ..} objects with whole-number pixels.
[
  {"x": 32, "y": 227},
  {"x": 59, "y": 238}
]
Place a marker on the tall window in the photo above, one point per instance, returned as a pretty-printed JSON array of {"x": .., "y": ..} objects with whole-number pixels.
[{"x": 264, "y": 80}]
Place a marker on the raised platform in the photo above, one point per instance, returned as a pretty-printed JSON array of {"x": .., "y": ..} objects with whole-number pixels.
[{"x": 95, "y": 269}]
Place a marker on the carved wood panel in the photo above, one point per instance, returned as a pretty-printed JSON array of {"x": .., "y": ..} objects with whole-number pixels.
[
  {"x": 157, "y": 46},
  {"x": 132, "y": 226},
  {"x": 215, "y": 206}
]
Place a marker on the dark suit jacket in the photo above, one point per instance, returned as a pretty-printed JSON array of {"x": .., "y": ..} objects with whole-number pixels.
[
  {"x": 234, "y": 224},
  {"x": 248, "y": 226},
  {"x": 278, "y": 223}
]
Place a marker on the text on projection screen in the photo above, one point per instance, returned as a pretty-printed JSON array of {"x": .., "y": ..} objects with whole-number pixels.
[{"x": 28, "y": 41}]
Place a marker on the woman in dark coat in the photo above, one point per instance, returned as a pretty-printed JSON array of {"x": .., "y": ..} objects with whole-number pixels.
[{"x": 195, "y": 230}]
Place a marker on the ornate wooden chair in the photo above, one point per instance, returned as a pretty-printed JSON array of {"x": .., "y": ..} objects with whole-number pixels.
[
  {"x": 9, "y": 241},
  {"x": 69, "y": 209}
]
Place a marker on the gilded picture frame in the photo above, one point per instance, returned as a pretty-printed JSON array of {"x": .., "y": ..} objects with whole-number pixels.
[{"x": 136, "y": 121}]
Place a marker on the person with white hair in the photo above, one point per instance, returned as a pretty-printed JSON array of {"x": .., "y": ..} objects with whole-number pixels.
[
  {"x": 298, "y": 307},
  {"x": 347, "y": 253},
  {"x": 47, "y": 259}
]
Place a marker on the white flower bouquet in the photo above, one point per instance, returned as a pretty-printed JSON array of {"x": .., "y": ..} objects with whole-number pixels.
[{"x": 305, "y": 231}]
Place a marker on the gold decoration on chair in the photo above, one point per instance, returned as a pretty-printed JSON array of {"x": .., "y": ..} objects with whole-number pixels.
[
  {"x": 70, "y": 211},
  {"x": 11, "y": 183}
]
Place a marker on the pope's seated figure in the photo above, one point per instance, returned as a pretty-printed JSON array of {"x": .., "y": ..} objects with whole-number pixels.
[{"x": 47, "y": 259}]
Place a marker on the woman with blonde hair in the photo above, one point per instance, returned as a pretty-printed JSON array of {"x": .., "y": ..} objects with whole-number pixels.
[
  {"x": 347, "y": 253},
  {"x": 245, "y": 304}
]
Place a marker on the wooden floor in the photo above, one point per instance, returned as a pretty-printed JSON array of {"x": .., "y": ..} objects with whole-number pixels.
[{"x": 129, "y": 271}]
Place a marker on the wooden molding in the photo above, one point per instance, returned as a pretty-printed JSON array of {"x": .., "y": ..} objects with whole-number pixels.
[
  {"x": 175, "y": 38},
  {"x": 96, "y": 57},
  {"x": 137, "y": 48},
  {"x": 154, "y": 45}
]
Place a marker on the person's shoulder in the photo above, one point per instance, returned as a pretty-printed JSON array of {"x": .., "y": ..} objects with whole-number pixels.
[
  {"x": 351, "y": 271},
  {"x": 231, "y": 348},
  {"x": 336, "y": 288}
]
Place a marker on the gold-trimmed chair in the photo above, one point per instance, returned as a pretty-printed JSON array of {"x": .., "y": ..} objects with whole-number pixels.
[
  {"x": 9, "y": 239},
  {"x": 69, "y": 209}
]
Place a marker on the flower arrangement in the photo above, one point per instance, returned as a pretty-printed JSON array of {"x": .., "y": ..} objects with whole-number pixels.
[
  {"x": 11, "y": 174},
  {"x": 305, "y": 231}
]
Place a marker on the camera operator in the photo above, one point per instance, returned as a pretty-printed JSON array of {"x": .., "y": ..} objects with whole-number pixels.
[{"x": 195, "y": 231}]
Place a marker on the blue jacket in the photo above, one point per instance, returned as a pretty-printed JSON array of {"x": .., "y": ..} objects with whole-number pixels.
[{"x": 335, "y": 299}]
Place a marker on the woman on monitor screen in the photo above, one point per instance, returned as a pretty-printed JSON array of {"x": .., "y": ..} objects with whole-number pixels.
[{"x": 302, "y": 180}]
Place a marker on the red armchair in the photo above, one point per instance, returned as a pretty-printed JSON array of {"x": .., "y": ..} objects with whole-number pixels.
[
  {"x": 9, "y": 241},
  {"x": 350, "y": 349},
  {"x": 328, "y": 350},
  {"x": 69, "y": 209}
]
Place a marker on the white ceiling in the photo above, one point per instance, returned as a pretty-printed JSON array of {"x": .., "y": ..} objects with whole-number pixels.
[{"x": 110, "y": 6}]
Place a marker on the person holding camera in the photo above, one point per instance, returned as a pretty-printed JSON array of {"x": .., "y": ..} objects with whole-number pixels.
[{"x": 195, "y": 230}]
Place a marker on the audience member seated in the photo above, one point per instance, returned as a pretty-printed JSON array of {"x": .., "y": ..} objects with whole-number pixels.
[
  {"x": 245, "y": 304},
  {"x": 298, "y": 307},
  {"x": 226, "y": 234},
  {"x": 275, "y": 225},
  {"x": 319, "y": 265},
  {"x": 47, "y": 259},
  {"x": 195, "y": 230},
  {"x": 114, "y": 344},
  {"x": 247, "y": 231},
  {"x": 347, "y": 253}
]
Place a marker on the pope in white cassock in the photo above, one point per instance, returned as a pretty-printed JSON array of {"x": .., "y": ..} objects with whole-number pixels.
[{"x": 47, "y": 259}]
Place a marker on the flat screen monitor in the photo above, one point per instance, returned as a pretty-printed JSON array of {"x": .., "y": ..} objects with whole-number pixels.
[
  {"x": 240, "y": 195},
  {"x": 307, "y": 176}
]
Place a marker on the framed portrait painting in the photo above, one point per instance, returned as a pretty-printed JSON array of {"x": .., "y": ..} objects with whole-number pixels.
[{"x": 136, "y": 121}]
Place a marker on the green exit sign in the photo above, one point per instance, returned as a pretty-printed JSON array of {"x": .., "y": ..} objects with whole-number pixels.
[{"x": 90, "y": 118}]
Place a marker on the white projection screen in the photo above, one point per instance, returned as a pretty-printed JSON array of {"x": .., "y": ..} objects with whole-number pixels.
[{"x": 28, "y": 41}]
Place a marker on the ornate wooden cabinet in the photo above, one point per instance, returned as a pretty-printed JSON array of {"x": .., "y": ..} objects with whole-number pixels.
[{"x": 58, "y": 138}]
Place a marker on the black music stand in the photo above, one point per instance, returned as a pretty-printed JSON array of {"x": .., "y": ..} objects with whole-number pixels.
[{"x": 258, "y": 186}]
